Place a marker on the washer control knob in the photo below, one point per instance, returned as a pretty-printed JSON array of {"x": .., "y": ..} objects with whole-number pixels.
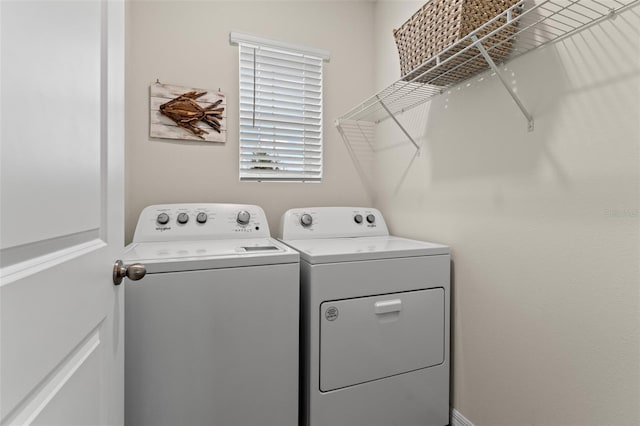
[
  {"x": 201, "y": 218},
  {"x": 371, "y": 218},
  {"x": 162, "y": 219},
  {"x": 306, "y": 220},
  {"x": 243, "y": 217},
  {"x": 358, "y": 218},
  {"x": 183, "y": 218}
]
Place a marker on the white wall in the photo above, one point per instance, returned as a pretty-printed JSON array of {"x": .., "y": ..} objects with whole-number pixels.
[
  {"x": 544, "y": 226},
  {"x": 187, "y": 43}
]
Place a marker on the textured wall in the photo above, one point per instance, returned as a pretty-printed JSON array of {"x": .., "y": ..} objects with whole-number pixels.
[
  {"x": 187, "y": 43},
  {"x": 544, "y": 226}
]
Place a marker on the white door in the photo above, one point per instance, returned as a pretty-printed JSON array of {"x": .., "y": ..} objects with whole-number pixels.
[{"x": 61, "y": 222}]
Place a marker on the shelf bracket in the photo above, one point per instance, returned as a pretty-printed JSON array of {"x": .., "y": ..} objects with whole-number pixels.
[
  {"x": 393, "y": 117},
  {"x": 495, "y": 69}
]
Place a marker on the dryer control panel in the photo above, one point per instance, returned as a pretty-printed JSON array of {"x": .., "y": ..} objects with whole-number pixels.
[
  {"x": 206, "y": 221},
  {"x": 332, "y": 222}
]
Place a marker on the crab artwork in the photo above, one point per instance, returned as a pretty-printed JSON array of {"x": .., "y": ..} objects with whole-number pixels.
[{"x": 186, "y": 113}]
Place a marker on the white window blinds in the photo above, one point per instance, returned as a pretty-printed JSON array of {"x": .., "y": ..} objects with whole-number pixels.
[{"x": 280, "y": 111}]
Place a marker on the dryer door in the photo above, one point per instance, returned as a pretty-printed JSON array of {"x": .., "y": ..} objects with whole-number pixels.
[{"x": 369, "y": 338}]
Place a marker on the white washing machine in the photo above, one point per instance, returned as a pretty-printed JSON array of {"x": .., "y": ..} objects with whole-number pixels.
[
  {"x": 211, "y": 331},
  {"x": 374, "y": 321}
]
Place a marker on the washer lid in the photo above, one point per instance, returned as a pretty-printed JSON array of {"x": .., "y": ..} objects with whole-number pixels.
[
  {"x": 332, "y": 250},
  {"x": 176, "y": 256}
]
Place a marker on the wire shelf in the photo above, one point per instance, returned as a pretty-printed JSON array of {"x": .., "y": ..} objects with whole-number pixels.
[{"x": 536, "y": 23}]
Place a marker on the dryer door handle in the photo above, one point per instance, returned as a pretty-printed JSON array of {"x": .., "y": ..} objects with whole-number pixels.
[{"x": 387, "y": 306}]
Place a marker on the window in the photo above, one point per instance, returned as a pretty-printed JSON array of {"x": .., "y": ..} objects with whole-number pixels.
[{"x": 280, "y": 110}]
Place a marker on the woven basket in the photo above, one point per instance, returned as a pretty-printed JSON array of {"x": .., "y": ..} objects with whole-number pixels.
[{"x": 440, "y": 24}]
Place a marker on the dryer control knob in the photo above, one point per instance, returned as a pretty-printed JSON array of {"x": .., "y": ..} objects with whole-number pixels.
[
  {"x": 358, "y": 218},
  {"x": 202, "y": 217},
  {"x": 371, "y": 218},
  {"x": 306, "y": 220},
  {"x": 243, "y": 217},
  {"x": 183, "y": 218},
  {"x": 162, "y": 219}
]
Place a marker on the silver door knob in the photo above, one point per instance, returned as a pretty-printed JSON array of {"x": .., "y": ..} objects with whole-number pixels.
[{"x": 134, "y": 272}]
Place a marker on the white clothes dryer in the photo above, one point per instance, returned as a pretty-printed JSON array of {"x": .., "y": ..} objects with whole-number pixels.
[
  {"x": 211, "y": 332},
  {"x": 374, "y": 321}
]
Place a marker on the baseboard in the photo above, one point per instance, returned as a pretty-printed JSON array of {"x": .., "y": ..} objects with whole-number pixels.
[{"x": 458, "y": 419}]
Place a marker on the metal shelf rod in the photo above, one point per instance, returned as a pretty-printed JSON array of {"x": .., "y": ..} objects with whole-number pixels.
[
  {"x": 495, "y": 69},
  {"x": 393, "y": 117}
]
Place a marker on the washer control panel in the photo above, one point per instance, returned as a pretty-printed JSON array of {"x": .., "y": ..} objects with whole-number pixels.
[
  {"x": 332, "y": 222},
  {"x": 206, "y": 221}
]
